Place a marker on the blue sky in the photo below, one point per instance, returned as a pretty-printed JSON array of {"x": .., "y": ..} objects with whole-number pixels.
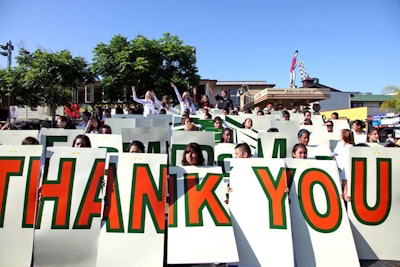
[{"x": 349, "y": 45}]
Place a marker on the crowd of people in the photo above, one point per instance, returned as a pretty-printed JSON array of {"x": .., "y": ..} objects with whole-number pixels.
[
  {"x": 94, "y": 123},
  {"x": 195, "y": 107}
]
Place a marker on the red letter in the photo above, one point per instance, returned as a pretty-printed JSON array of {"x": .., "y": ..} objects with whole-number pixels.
[
  {"x": 9, "y": 166},
  {"x": 31, "y": 193},
  {"x": 172, "y": 212},
  {"x": 112, "y": 204},
  {"x": 274, "y": 189},
  {"x": 145, "y": 193},
  {"x": 378, "y": 213},
  {"x": 90, "y": 205},
  {"x": 60, "y": 192},
  {"x": 329, "y": 221},
  {"x": 200, "y": 196}
]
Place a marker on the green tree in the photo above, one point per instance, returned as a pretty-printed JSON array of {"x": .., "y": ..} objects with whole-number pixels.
[
  {"x": 155, "y": 63},
  {"x": 392, "y": 105},
  {"x": 48, "y": 78}
]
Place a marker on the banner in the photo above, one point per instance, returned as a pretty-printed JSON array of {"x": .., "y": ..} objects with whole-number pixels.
[
  {"x": 309, "y": 226},
  {"x": 321, "y": 230},
  {"x": 155, "y": 139},
  {"x": 180, "y": 139},
  {"x": 53, "y": 137},
  {"x": 275, "y": 145},
  {"x": 112, "y": 142},
  {"x": 19, "y": 174},
  {"x": 222, "y": 152},
  {"x": 69, "y": 214},
  {"x": 375, "y": 209},
  {"x": 134, "y": 211},
  {"x": 200, "y": 228},
  {"x": 15, "y": 137},
  {"x": 260, "y": 212}
]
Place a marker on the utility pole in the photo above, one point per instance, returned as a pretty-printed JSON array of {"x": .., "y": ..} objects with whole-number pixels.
[{"x": 8, "y": 47}]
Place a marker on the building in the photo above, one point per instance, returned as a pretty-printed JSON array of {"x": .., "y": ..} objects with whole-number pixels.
[
  {"x": 234, "y": 88},
  {"x": 372, "y": 102}
]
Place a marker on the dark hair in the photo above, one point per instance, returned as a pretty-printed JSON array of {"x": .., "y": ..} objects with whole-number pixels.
[
  {"x": 301, "y": 132},
  {"x": 119, "y": 110},
  {"x": 217, "y": 118},
  {"x": 69, "y": 124},
  {"x": 260, "y": 112},
  {"x": 391, "y": 144},
  {"x": 99, "y": 109},
  {"x": 106, "y": 126},
  {"x": 297, "y": 146},
  {"x": 370, "y": 131},
  {"x": 359, "y": 123},
  {"x": 273, "y": 130},
  {"x": 223, "y": 132},
  {"x": 95, "y": 118},
  {"x": 244, "y": 122},
  {"x": 87, "y": 113},
  {"x": 30, "y": 141},
  {"x": 137, "y": 144},
  {"x": 196, "y": 148},
  {"x": 362, "y": 145},
  {"x": 285, "y": 112},
  {"x": 244, "y": 147},
  {"x": 84, "y": 138},
  {"x": 307, "y": 122}
]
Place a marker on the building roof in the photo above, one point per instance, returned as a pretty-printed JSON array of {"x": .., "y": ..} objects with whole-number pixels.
[
  {"x": 372, "y": 98},
  {"x": 241, "y": 82}
]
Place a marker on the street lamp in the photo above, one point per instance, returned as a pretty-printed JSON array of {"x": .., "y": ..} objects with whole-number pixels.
[{"x": 9, "y": 48}]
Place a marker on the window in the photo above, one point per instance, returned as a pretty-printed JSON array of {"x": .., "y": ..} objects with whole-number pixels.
[{"x": 357, "y": 104}]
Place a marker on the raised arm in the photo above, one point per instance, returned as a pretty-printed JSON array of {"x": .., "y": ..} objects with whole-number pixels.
[
  {"x": 210, "y": 89},
  {"x": 156, "y": 101},
  {"x": 88, "y": 125},
  {"x": 178, "y": 95},
  {"x": 141, "y": 101}
]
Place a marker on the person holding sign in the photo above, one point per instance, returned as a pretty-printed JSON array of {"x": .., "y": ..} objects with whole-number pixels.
[
  {"x": 360, "y": 135},
  {"x": 373, "y": 135},
  {"x": 193, "y": 155},
  {"x": 247, "y": 124},
  {"x": 226, "y": 136},
  {"x": 299, "y": 151},
  {"x": 242, "y": 151},
  {"x": 303, "y": 136},
  {"x": 342, "y": 154},
  {"x": 136, "y": 147},
  {"x": 81, "y": 141},
  {"x": 30, "y": 141},
  {"x": 218, "y": 122}
]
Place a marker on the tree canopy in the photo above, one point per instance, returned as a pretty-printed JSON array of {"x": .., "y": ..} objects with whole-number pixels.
[
  {"x": 47, "y": 78},
  {"x": 392, "y": 105},
  {"x": 155, "y": 63}
]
